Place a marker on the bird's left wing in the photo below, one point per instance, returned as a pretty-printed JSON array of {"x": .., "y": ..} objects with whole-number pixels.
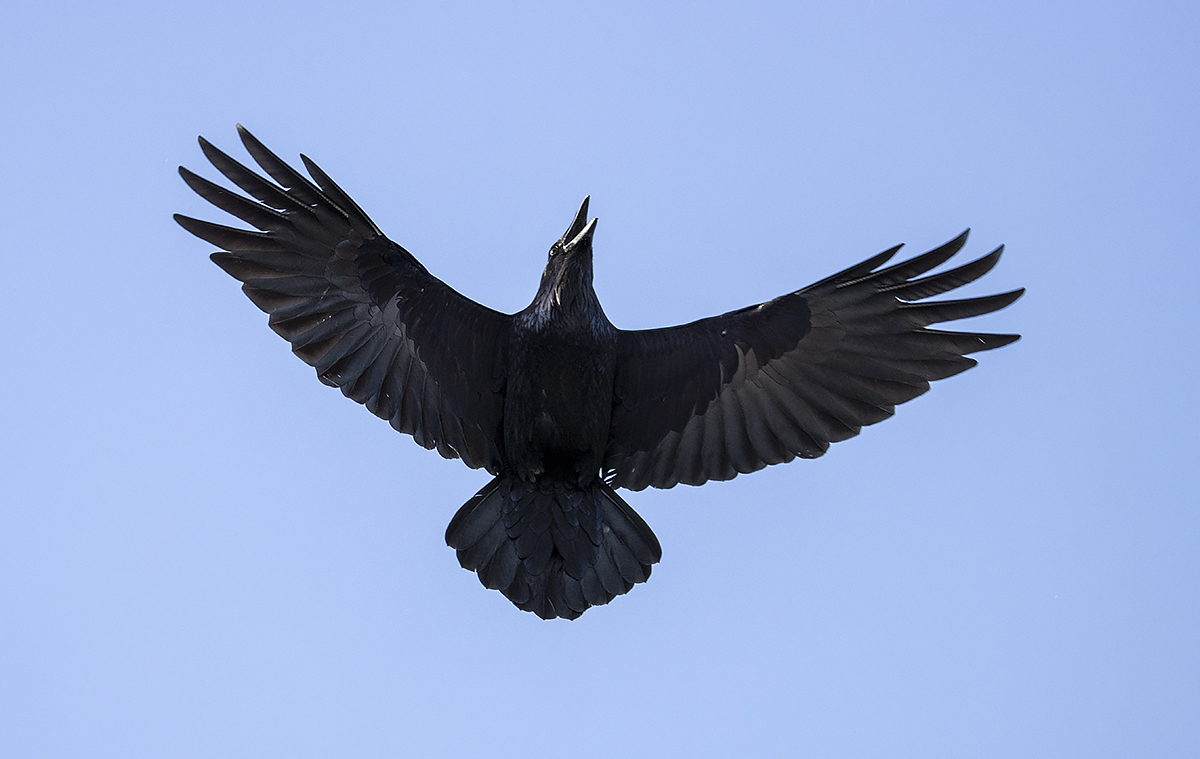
[
  {"x": 765, "y": 384},
  {"x": 358, "y": 307}
]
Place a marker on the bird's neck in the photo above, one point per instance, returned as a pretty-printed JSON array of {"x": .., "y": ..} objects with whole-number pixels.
[{"x": 567, "y": 300}]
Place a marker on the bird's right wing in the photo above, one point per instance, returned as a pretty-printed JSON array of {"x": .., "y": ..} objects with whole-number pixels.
[
  {"x": 358, "y": 307},
  {"x": 765, "y": 384}
]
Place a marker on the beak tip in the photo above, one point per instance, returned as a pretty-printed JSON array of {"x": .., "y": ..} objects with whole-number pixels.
[{"x": 578, "y": 224}]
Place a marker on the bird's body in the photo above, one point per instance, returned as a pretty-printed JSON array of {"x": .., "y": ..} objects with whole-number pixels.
[
  {"x": 557, "y": 403},
  {"x": 547, "y": 531},
  {"x": 562, "y": 361}
]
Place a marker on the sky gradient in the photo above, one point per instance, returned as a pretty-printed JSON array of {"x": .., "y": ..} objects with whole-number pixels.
[{"x": 205, "y": 552}]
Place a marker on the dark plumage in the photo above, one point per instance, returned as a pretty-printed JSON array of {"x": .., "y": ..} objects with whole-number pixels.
[{"x": 557, "y": 403}]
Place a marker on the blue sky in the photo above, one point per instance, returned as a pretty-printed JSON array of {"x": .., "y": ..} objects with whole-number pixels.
[{"x": 205, "y": 552}]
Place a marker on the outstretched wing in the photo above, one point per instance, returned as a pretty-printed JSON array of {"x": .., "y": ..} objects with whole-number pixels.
[
  {"x": 734, "y": 393},
  {"x": 358, "y": 307}
]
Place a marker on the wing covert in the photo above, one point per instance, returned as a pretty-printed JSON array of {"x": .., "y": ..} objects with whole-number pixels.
[
  {"x": 358, "y": 307},
  {"x": 734, "y": 393}
]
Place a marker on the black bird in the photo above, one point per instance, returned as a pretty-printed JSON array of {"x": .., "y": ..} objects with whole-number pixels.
[{"x": 557, "y": 403}]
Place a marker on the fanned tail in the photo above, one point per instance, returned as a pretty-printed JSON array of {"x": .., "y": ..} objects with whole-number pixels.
[{"x": 552, "y": 549}]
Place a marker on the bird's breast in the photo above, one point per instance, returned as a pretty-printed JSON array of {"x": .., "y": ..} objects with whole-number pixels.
[{"x": 559, "y": 401}]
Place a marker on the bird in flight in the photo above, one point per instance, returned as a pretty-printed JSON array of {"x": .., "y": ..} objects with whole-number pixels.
[{"x": 558, "y": 404}]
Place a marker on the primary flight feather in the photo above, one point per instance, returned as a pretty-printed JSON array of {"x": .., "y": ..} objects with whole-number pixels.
[{"x": 557, "y": 403}]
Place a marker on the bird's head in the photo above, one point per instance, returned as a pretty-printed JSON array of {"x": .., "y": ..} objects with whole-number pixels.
[{"x": 568, "y": 274}]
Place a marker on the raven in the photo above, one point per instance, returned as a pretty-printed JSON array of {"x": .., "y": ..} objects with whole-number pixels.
[{"x": 558, "y": 404}]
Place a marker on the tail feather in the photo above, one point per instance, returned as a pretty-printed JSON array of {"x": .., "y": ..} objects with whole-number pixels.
[{"x": 552, "y": 549}]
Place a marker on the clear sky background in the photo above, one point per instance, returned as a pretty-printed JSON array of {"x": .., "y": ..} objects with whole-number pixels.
[{"x": 206, "y": 553}]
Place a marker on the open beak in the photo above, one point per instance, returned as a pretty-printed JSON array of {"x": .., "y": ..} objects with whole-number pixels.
[{"x": 581, "y": 230}]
